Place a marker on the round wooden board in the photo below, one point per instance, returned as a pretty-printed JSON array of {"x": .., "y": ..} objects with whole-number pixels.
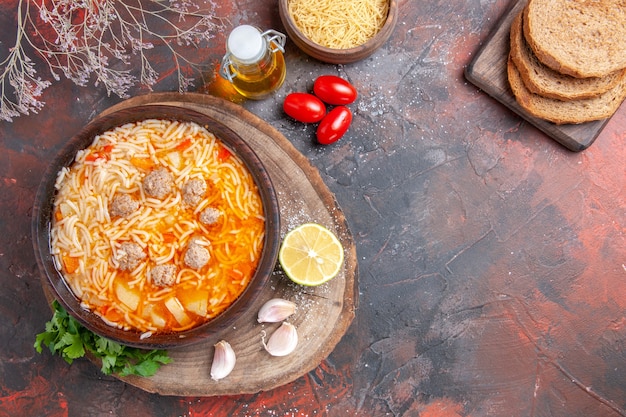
[{"x": 323, "y": 314}]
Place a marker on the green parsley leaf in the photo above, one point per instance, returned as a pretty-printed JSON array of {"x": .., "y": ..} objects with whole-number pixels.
[
  {"x": 65, "y": 336},
  {"x": 73, "y": 346}
]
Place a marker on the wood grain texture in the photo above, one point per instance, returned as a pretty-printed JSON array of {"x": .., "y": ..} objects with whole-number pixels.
[
  {"x": 323, "y": 314},
  {"x": 488, "y": 72}
]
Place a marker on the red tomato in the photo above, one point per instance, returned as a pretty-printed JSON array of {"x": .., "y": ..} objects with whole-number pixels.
[
  {"x": 304, "y": 107},
  {"x": 334, "y": 125},
  {"x": 334, "y": 90}
]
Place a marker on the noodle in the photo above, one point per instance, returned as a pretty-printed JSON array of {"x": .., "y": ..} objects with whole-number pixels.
[
  {"x": 87, "y": 240},
  {"x": 339, "y": 24}
]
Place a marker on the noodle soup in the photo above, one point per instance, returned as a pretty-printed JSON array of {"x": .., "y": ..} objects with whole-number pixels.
[{"x": 157, "y": 226}]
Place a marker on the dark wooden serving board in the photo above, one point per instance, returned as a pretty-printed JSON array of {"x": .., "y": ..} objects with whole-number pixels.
[
  {"x": 323, "y": 313},
  {"x": 488, "y": 71}
]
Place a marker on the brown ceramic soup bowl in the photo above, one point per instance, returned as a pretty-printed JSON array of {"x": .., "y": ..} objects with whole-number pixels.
[{"x": 56, "y": 286}]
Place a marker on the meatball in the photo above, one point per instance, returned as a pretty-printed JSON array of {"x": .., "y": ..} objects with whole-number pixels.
[
  {"x": 209, "y": 216},
  {"x": 158, "y": 183},
  {"x": 129, "y": 255},
  {"x": 163, "y": 275},
  {"x": 123, "y": 205},
  {"x": 193, "y": 191},
  {"x": 197, "y": 255}
]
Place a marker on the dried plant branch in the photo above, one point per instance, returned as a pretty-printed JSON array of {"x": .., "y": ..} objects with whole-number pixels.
[{"x": 98, "y": 40}]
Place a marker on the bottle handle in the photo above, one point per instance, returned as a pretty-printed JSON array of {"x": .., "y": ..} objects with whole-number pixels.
[
  {"x": 275, "y": 40},
  {"x": 226, "y": 69}
]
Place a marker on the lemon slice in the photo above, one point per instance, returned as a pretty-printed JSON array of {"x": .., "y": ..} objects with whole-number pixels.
[{"x": 311, "y": 254}]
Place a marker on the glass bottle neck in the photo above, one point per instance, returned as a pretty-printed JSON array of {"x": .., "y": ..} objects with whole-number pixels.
[{"x": 250, "y": 67}]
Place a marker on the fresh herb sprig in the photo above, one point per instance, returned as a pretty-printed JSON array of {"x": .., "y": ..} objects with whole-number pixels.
[{"x": 66, "y": 337}]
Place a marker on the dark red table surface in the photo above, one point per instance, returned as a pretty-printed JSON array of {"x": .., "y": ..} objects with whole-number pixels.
[{"x": 492, "y": 260}]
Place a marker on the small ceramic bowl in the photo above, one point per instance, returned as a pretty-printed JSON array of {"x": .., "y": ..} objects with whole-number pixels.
[
  {"x": 338, "y": 56},
  {"x": 54, "y": 283}
]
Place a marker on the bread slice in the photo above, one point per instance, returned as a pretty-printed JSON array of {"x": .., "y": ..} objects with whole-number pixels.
[
  {"x": 581, "y": 38},
  {"x": 542, "y": 80},
  {"x": 565, "y": 112}
]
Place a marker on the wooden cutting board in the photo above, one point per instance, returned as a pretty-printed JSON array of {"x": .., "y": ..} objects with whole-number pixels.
[
  {"x": 488, "y": 72},
  {"x": 323, "y": 313}
]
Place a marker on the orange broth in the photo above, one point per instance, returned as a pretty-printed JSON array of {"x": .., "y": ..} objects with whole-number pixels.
[{"x": 84, "y": 238}]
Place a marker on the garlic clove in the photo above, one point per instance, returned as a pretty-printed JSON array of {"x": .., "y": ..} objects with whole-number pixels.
[
  {"x": 283, "y": 341},
  {"x": 276, "y": 310},
  {"x": 223, "y": 360}
]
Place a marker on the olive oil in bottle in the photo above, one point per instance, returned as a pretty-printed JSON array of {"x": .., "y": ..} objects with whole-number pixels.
[{"x": 254, "y": 61}]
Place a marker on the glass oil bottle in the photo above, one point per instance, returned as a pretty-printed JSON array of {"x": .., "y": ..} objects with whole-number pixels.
[{"x": 254, "y": 61}]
